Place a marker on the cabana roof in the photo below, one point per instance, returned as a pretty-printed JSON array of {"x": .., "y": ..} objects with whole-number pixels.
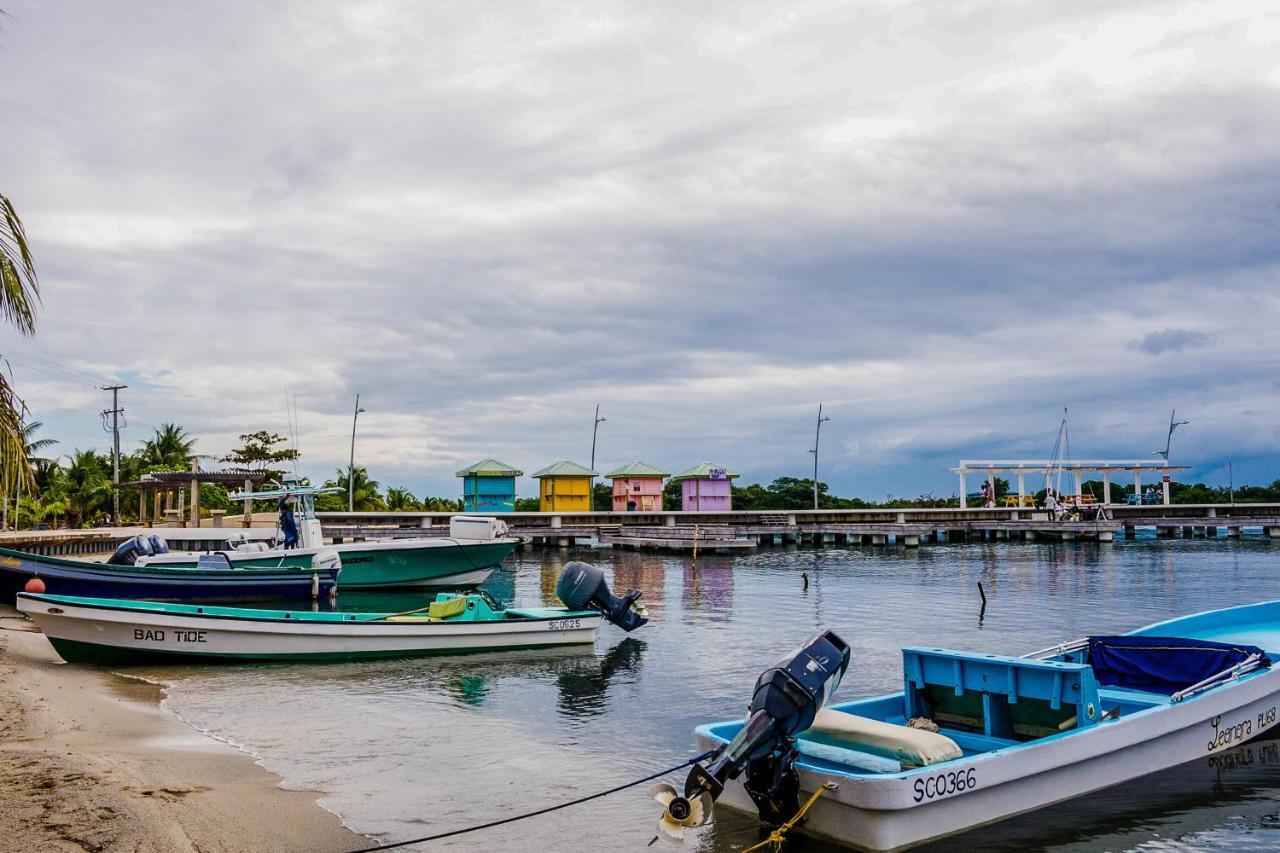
[
  {"x": 564, "y": 468},
  {"x": 490, "y": 468},
  {"x": 637, "y": 469},
  {"x": 705, "y": 471},
  {"x": 160, "y": 480}
]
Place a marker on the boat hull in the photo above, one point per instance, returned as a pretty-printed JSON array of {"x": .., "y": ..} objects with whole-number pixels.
[
  {"x": 100, "y": 580},
  {"x": 901, "y": 810},
  {"x": 116, "y": 633},
  {"x": 429, "y": 563}
]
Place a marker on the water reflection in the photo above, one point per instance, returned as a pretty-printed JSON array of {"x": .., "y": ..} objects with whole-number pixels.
[
  {"x": 584, "y": 691},
  {"x": 708, "y": 589}
]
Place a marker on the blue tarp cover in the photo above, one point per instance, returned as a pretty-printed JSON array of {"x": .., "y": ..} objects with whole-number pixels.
[{"x": 1162, "y": 664}]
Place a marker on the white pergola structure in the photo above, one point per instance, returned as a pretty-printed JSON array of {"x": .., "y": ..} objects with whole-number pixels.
[{"x": 1046, "y": 468}]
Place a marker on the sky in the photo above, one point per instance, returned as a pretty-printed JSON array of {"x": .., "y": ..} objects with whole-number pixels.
[{"x": 944, "y": 221}]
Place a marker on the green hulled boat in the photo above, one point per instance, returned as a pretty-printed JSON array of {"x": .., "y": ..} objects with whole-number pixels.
[{"x": 465, "y": 558}]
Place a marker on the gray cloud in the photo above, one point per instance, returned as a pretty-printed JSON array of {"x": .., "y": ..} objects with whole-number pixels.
[
  {"x": 706, "y": 219},
  {"x": 1171, "y": 340}
]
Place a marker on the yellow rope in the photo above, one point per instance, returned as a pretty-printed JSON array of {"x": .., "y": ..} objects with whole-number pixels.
[{"x": 776, "y": 837}]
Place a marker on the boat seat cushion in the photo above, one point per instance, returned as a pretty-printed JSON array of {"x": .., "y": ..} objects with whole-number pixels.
[
  {"x": 450, "y": 607},
  {"x": 912, "y": 747}
]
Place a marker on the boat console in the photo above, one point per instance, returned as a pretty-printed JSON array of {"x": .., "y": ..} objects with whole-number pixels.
[{"x": 998, "y": 696}]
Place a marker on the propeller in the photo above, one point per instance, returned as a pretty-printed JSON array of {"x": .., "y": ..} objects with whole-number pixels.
[{"x": 679, "y": 813}]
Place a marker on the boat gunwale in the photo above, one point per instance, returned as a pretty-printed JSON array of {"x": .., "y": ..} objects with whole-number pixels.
[
  {"x": 400, "y": 544},
  {"x": 297, "y": 617}
]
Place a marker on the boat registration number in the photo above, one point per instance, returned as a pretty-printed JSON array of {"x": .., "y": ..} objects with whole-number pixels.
[
  {"x": 564, "y": 624},
  {"x": 157, "y": 635},
  {"x": 946, "y": 784}
]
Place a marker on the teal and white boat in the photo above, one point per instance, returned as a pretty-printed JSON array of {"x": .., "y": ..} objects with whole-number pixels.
[
  {"x": 475, "y": 547},
  {"x": 974, "y": 738},
  {"x": 117, "y": 631}
]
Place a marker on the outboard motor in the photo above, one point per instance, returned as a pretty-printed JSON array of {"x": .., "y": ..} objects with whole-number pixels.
[
  {"x": 786, "y": 698},
  {"x": 128, "y": 552},
  {"x": 329, "y": 562},
  {"x": 158, "y": 545},
  {"x": 582, "y": 586}
]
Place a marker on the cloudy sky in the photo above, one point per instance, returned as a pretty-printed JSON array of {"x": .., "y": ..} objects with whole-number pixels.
[{"x": 945, "y": 221}]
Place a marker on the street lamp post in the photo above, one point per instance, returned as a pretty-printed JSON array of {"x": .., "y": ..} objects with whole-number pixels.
[
  {"x": 351, "y": 466},
  {"x": 595, "y": 427},
  {"x": 816, "y": 436}
]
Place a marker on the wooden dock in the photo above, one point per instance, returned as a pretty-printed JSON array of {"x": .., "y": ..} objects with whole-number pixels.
[{"x": 725, "y": 531}]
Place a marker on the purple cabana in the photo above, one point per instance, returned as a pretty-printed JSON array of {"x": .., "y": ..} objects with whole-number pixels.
[{"x": 705, "y": 488}]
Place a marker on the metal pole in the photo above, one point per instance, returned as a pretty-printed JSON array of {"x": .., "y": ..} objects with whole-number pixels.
[
  {"x": 816, "y": 436},
  {"x": 115, "y": 448},
  {"x": 1231, "y": 484},
  {"x": 595, "y": 427},
  {"x": 351, "y": 465}
]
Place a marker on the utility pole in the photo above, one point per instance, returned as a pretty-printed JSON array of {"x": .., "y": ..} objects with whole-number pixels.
[
  {"x": 817, "y": 435},
  {"x": 595, "y": 427},
  {"x": 115, "y": 411},
  {"x": 351, "y": 467}
]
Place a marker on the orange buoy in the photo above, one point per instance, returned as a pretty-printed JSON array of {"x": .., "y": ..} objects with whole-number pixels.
[{"x": 34, "y": 585}]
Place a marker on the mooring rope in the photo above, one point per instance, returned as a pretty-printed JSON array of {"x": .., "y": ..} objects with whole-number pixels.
[
  {"x": 442, "y": 835},
  {"x": 776, "y": 837}
]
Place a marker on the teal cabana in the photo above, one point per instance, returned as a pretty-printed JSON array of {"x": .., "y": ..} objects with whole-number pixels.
[{"x": 489, "y": 486}]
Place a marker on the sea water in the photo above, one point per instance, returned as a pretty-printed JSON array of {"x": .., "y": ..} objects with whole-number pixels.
[{"x": 407, "y": 748}]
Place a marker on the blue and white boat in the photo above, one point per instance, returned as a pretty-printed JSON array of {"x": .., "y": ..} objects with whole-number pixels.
[
  {"x": 974, "y": 738},
  {"x": 212, "y": 578}
]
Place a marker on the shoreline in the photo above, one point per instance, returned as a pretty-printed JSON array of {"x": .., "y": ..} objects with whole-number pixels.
[{"x": 91, "y": 761}]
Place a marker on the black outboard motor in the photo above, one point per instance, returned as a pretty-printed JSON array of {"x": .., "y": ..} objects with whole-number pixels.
[
  {"x": 582, "y": 586},
  {"x": 129, "y": 551},
  {"x": 785, "y": 700},
  {"x": 158, "y": 544}
]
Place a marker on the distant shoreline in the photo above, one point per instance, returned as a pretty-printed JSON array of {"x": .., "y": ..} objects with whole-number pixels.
[{"x": 91, "y": 761}]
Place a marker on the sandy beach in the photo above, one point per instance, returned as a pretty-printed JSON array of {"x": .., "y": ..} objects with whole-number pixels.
[{"x": 89, "y": 761}]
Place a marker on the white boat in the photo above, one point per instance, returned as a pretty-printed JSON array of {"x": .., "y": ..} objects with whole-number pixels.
[
  {"x": 1015, "y": 734},
  {"x": 116, "y": 631}
]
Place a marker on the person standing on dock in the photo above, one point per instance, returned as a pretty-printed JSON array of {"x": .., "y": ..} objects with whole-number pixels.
[{"x": 1051, "y": 504}]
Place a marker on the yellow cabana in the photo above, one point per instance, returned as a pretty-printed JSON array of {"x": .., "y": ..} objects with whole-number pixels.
[{"x": 564, "y": 487}]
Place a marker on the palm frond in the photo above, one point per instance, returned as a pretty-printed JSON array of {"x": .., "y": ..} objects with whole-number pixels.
[
  {"x": 15, "y": 466},
  {"x": 19, "y": 284}
]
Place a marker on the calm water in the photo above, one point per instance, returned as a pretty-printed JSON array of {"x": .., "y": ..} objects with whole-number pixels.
[{"x": 406, "y": 748}]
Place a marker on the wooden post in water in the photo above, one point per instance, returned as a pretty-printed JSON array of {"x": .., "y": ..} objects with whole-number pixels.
[{"x": 695, "y": 548}]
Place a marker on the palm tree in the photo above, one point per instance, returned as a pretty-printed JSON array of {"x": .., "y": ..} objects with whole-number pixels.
[
  {"x": 365, "y": 496},
  {"x": 19, "y": 296},
  {"x": 401, "y": 500},
  {"x": 38, "y": 465},
  {"x": 169, "y": 449},
  {"x": 88, "y": 484}
]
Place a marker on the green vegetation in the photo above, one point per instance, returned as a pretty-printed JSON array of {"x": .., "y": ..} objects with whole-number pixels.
[{"x": 19, "y": 296}]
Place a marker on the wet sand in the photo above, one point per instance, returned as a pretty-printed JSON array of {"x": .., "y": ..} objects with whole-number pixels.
[{"x": 89, "y": 761}]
